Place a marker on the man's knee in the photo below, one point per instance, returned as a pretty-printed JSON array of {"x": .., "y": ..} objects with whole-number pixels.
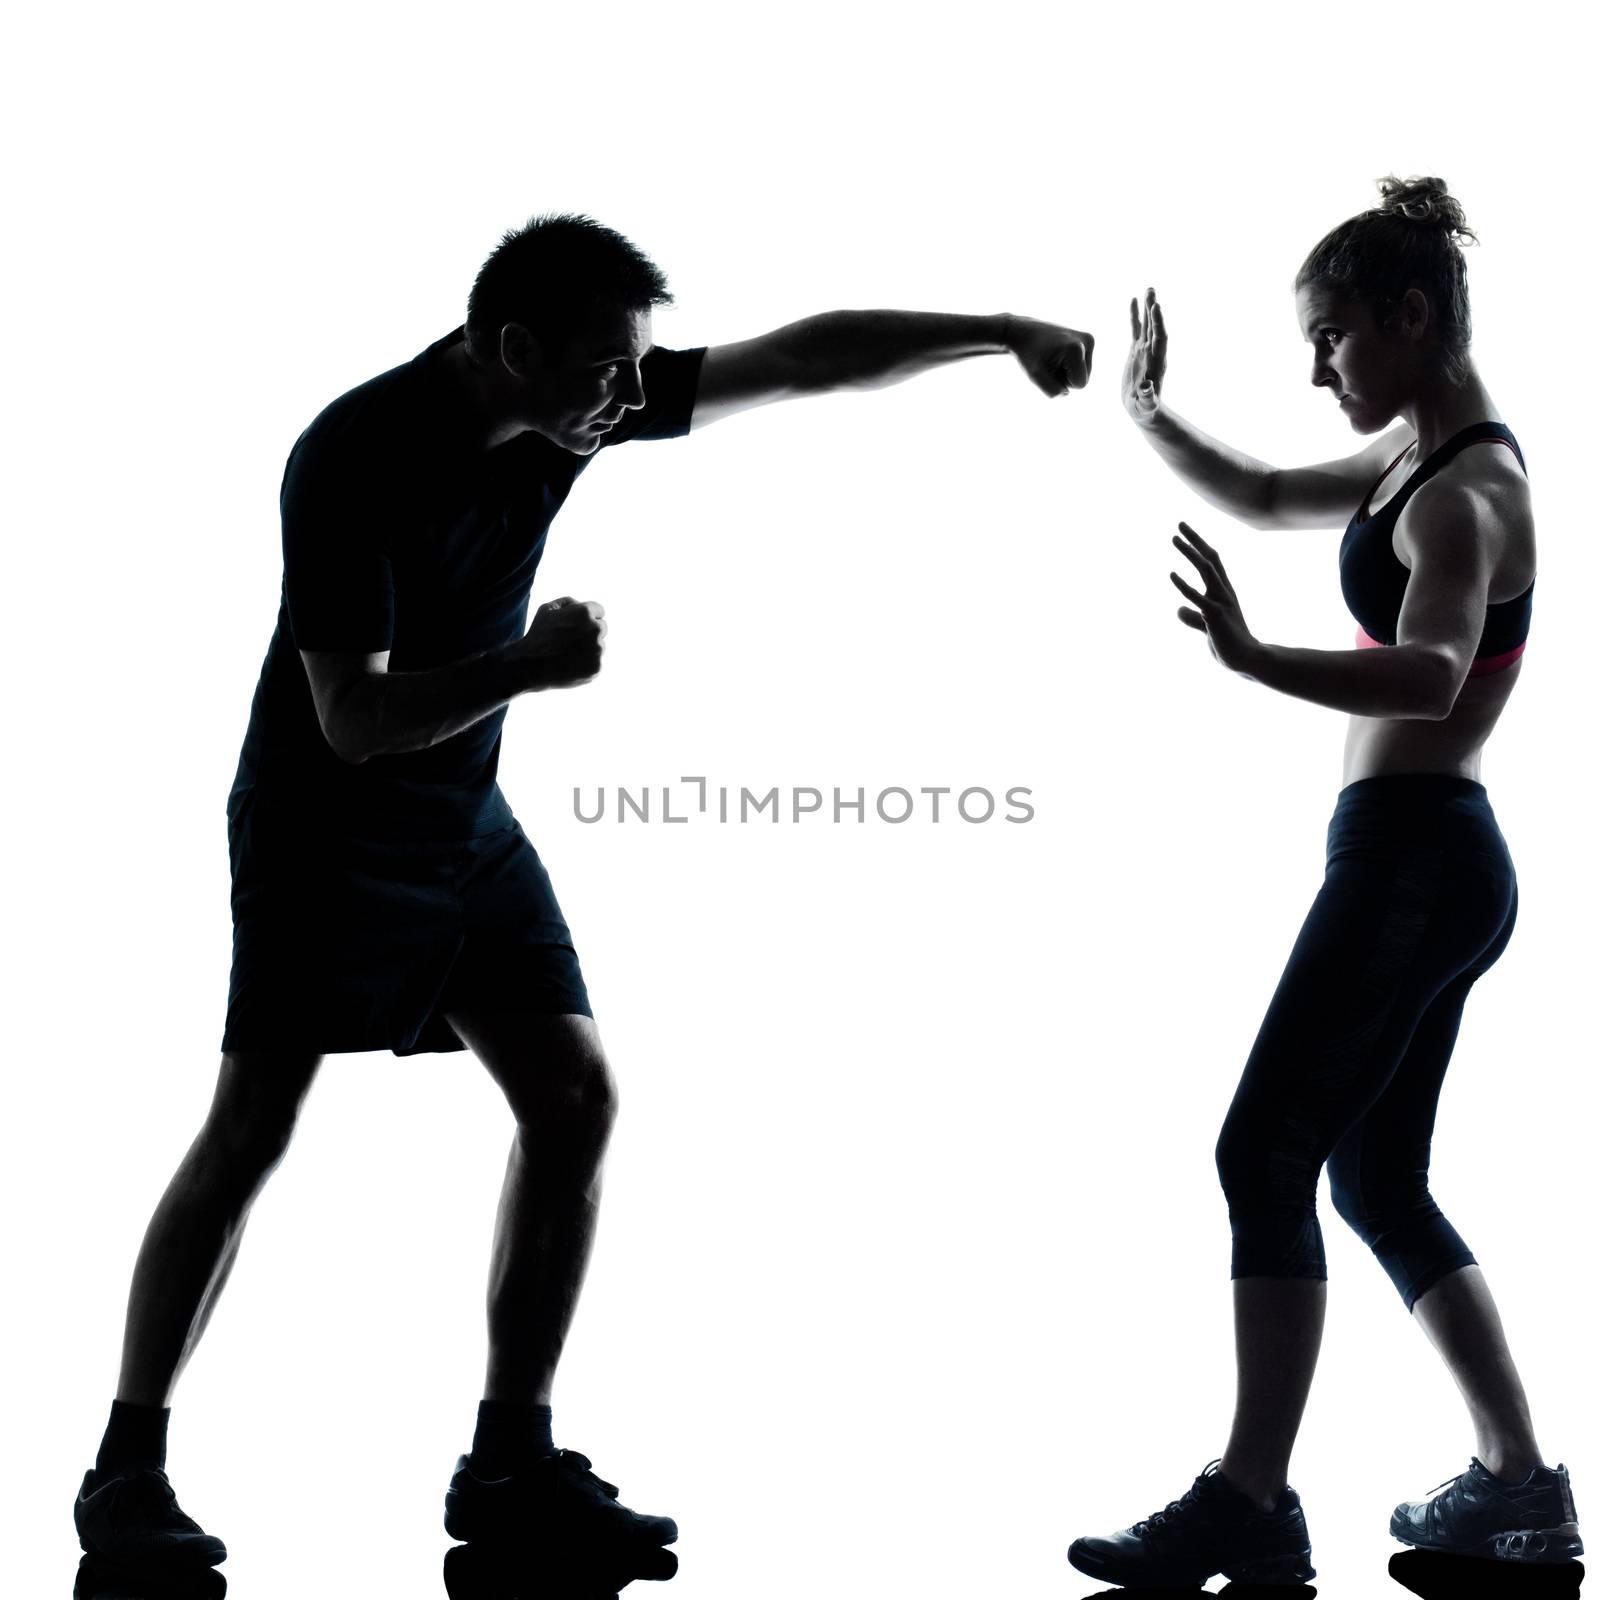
[
  {"x": 255, "y": 1109},
  {"x": 552, "y": 1070},
  {"x": 572, "y": 1086}
]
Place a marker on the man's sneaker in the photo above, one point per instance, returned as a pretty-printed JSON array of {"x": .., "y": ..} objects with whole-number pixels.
[
  {"x": 1478, "y": 1515},
  {"x": 132, "y": 1518},
  {"x": 556, "y": 1500},
  {"x": 1212, "y": 1529}
]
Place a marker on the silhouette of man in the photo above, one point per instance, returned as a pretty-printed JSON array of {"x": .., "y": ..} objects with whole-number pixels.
[{"x": 384, "y": 896}]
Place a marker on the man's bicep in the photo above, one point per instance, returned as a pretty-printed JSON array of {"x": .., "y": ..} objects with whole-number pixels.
[
  {"x": 338, "y": 584},
  {"x": 339, "y": 593},
  {"x": 737, "y": 377}
]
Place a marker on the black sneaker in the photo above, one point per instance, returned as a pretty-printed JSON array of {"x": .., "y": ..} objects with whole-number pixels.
[
  {"x": 555, "y": 1501},
  {"x": 1478, "y": 1515},
  {"x": 1212, "y": 1529},
  {"x": 132, "y": 1519}
]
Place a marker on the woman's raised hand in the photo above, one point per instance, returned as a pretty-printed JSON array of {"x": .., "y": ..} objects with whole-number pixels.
[{"x": 1147, "y": 360}]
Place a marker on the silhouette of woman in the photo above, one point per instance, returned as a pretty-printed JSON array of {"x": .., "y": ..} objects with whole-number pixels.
[{"x": 1437, "y": 566}]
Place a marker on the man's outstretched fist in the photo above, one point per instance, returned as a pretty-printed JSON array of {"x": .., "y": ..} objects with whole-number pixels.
[{"x": 1056, "y": 359}]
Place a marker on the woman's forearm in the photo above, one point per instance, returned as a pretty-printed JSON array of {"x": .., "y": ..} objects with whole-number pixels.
[
  {"x": 1412, "y": 681},
  {"x": 1224, "y": 477}
]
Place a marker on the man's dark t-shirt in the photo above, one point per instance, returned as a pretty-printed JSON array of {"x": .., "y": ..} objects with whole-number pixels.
[{"x": 401, "y": 533}]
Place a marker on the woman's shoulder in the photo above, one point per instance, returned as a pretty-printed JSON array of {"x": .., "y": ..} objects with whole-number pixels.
[{"x": 1490, "y": 464}]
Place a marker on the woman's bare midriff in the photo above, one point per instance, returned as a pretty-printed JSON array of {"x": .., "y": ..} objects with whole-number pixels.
[{"x": 1377, "y": 747}]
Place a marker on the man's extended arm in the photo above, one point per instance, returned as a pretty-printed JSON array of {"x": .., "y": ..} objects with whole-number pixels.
[
  {"x": 366, "y": 710},
  {"x": 870, "y": 349}
]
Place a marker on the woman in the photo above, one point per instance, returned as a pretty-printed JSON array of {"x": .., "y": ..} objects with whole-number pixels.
[{"x": 1419, "y": 900}]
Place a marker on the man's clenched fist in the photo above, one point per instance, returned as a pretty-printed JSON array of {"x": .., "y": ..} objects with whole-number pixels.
[
  {"x": 563, "y": 642},
  {"x": 1057, "y": 359}
]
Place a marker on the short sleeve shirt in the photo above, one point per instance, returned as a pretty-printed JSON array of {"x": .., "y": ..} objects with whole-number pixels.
[{"x": 401, "y": 533}]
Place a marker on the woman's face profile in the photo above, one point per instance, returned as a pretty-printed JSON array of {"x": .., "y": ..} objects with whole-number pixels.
[{"x": 1368, "y": 366}]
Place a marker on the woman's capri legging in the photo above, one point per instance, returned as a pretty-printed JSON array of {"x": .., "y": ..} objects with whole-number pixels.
[{"x": 1418, "y": 902}]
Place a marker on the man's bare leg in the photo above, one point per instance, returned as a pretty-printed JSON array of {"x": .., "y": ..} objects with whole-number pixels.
[
  {"x": 126, "y": 1515},
  {"x": 555, "y": 1077},
  {"x": 193, "y": 1238}
]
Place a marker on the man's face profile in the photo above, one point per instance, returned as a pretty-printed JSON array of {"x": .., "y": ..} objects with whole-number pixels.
[{"x": 576, "y": 391}]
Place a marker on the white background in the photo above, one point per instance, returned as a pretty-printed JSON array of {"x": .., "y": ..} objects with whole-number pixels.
[{"x": 913, "y": 1264}]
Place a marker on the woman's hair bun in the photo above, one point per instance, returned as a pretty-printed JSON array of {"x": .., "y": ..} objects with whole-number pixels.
[
  {"x": 1425, "y": 200},
  {"x": 1411, "y": 240}
]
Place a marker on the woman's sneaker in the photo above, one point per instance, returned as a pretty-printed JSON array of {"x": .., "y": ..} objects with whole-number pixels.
[
  {"x": 1212, "y": 1529},
  {"x": 556, "y": 1501},
  {"x": 1478, "y": 1515},
  {"x": 131, "y": 1518}
]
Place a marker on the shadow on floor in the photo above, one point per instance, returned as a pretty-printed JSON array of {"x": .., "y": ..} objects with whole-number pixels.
[
  {"x": 96, "y": 1581},
  {"x": 1236, "y": 1591},
  {"x": 479, "y": 1572},
  {"x": 1441, "y": 1577}
]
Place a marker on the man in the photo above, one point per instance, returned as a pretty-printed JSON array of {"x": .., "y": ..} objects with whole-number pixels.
[{"x": 384, "y": 896}]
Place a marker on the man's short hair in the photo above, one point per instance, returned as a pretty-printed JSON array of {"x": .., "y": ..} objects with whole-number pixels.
[{"x": 551, "y": 275}]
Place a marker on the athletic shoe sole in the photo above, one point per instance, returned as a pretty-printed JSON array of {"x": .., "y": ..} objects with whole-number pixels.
[
  {"x": 1286, "y": 1570},
  {"x": 1522, "y": 1545}
]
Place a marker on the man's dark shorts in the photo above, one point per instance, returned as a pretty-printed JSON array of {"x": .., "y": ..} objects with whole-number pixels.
[{"x": 349, "y": 944}]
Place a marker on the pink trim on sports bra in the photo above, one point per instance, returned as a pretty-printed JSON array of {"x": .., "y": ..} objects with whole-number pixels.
[{"x": 1479, "y": 668}]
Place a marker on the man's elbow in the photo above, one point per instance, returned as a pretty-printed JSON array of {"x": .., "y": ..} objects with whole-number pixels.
[
  {"x": 344, "y": 745},
  {"x": 345, "y": 730}
]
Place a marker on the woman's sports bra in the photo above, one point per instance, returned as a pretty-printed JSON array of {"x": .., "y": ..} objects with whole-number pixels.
[{"x": 1374, "y": 579}]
